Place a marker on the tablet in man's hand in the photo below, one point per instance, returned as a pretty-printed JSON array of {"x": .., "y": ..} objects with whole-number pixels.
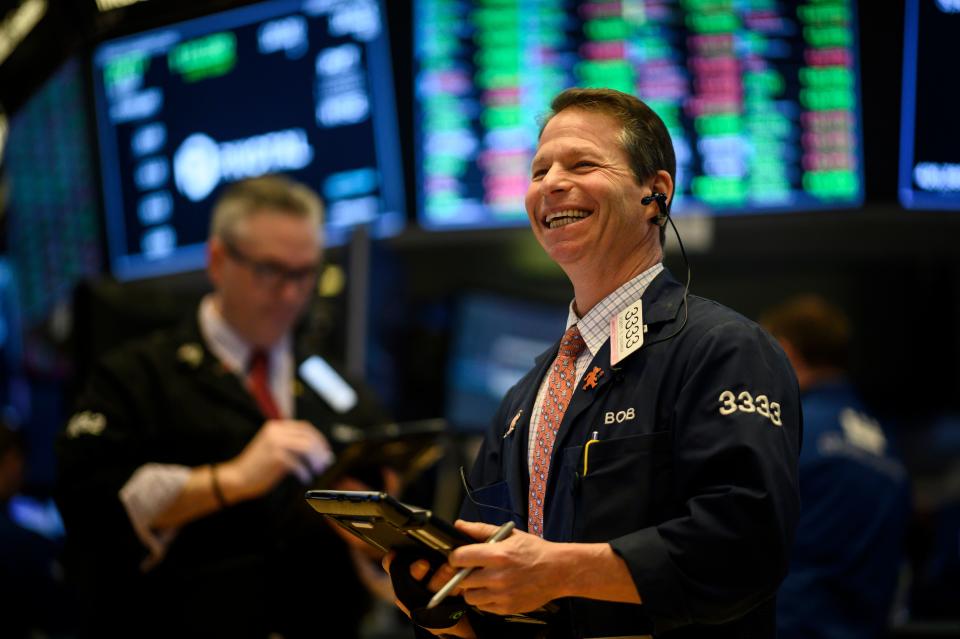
[{"x": 388, "y": 524}]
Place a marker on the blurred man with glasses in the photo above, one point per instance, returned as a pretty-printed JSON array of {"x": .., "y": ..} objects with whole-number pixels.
[{"x": 183, "y": 469}]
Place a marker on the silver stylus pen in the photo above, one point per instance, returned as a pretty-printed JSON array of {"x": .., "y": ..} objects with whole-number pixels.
[{"x": 502, "y": 533}]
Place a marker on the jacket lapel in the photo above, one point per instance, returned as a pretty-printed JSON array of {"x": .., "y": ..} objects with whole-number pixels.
[
  {"x": 585, "y": 394},
  {"x": 194, "y": 359}
]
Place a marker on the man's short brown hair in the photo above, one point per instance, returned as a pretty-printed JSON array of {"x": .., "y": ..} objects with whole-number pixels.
[{"x": 816, "y": 328}]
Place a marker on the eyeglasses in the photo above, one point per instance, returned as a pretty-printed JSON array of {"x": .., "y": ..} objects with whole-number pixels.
[{"x": 271, "y": 274}]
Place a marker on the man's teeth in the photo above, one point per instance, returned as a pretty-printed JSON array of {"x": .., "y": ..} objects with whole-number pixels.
[
  {"x": 562, "y": 218},
  {"x": 563, "y": 222}
]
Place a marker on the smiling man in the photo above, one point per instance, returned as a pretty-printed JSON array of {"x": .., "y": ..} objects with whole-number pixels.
[
  {"x": 649, "y": 459},
  {"x": 182, "y": 471}
]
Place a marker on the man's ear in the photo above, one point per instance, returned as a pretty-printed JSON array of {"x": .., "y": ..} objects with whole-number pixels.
[
  {"x": 216, "y": 256},
  {"x": 663, "y": 183}
]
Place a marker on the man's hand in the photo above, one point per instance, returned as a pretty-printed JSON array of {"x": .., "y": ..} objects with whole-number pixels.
[
  {"x": 510, "y": 576},
  {"x": 518, "y": 574},
  {"x": 418, "y": 570},
  {"x": 523, "y": 572},
  {"x": 280, "y": 447}
]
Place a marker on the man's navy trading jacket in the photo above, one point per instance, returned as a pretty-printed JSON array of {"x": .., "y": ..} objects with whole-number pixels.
[{"x": 693, "y": 481}]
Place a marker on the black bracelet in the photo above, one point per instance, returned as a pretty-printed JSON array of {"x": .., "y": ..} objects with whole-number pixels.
[{"x": 215, "y": 486}]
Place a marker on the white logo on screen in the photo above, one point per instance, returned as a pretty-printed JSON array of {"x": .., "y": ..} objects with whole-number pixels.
[
  {"x": 949, "y": 6},
  {"x": 201, "y": 163},
  {"x": 196, "y": 167}
]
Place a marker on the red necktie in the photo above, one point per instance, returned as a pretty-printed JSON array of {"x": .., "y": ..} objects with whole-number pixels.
[
  {"x": 259, "y": 383},
  {"x": 559, "y": 391}
]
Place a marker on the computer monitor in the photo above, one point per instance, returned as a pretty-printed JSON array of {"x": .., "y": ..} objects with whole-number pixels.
[
  {"x": 762, "y": 99},
  {"x": 300, "y": 87},
  {"x": 929, "y": 130},
  {"x": 495, "y": 342},
  {"x": 52, "y": 225}
]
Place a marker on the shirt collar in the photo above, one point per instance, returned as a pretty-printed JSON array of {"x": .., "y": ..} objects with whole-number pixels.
[
  {"x": 226, "y": 345},
  {"x": 595, "y": 325}
]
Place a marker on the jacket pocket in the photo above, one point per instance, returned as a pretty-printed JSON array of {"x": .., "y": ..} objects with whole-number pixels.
[
  {"x": 626, "y": 480},
  {"x": 492, "y": 503}
]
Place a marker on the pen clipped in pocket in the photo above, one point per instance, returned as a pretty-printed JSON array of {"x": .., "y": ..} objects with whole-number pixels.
[
  {"x": 622, "y": 482},
  {"x": 594, "y": 439}
]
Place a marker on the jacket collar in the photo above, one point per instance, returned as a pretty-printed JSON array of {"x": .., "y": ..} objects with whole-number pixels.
[
  {"x": 662, "y": 302},
  {"x": 663, "y": 299}
]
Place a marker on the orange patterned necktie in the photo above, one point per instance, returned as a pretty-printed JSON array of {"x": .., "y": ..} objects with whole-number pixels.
[
  {"x": 560, "y": 386},
  {"x": 260, "y": 386}
]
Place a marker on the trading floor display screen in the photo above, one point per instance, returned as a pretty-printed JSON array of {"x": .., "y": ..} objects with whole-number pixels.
[
  {"x": 301, "y": 87},
  {"x": 761, "y": 97},
  {"x": 930, "y": 128}
]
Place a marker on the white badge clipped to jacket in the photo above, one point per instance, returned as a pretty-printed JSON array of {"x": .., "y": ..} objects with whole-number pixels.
[{"x": 626, "y": 332}]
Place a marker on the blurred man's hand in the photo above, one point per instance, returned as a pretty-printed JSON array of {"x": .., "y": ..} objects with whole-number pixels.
[{"x": 281, "y": 447}]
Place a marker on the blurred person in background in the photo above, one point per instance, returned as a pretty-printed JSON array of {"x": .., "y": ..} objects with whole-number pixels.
[
  {"x": 182, "y": 471},
  {"x": 854, "y": 489}
]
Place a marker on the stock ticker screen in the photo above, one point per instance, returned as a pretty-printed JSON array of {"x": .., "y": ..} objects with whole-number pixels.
[
  {"x": 930, "y": 130},
  {"x": 300, "y": 87},
  {"x": 761, "y": 98}
]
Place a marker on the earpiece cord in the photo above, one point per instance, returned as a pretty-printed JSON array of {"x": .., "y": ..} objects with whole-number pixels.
[
  {"x": 686, "y": 288},
  {"x": 469, "y": 493}
]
